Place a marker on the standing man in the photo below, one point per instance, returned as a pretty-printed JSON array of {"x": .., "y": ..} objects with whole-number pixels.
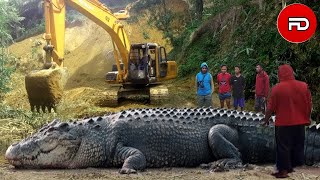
[
  {"x": 291, "y": 101},
  {"x": 262, "y": 89},
  {"x": 238, "y": 85},
  {"x": 224, "y": 86},
  {"x": 204, "y": 86}
]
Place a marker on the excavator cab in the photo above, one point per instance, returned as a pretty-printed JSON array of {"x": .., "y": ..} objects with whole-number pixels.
[
  {"x": 138, "y": 71},
  {"x": 140, "y": 62},
  {"x": 147, "y": 66}
]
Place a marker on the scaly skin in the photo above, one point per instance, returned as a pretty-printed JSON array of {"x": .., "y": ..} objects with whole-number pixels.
[{"x": 136, "y": 139}]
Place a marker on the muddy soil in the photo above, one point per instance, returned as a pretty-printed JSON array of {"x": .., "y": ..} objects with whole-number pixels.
[
  {"x": 252, "y": 172},
  {"x": 256, "y": 172}
]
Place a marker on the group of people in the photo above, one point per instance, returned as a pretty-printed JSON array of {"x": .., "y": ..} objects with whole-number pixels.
[
  {"x": 231, "y": 86},
  {"x": 290, "y": 101}
]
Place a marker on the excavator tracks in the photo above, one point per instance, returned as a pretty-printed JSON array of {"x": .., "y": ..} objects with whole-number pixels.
[
  {"x": 111, "y": 97},
  {"x": 155, "y": 95},
  {"x": 158, "y": 94}
]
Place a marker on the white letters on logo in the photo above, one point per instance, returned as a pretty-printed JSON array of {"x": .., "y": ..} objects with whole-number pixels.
[{"x": 297, "y": 22}]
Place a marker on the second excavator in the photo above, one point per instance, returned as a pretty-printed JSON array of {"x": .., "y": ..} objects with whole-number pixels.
[{"x": 138, "y": 69}]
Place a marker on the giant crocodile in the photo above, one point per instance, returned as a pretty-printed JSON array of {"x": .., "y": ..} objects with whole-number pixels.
[{"x": 160, "y": 137}]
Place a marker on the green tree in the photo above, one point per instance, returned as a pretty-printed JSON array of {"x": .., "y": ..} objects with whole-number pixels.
[
  {"x": 9, "y": 18},
  {"x": 199, "y": 9}
]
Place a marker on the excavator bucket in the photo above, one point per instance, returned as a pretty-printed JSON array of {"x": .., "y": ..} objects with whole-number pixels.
[{"x": 45, "y": 88}]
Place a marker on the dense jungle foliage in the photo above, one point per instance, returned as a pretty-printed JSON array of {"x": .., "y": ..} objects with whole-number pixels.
[
  {"x": 9, "y": 17},
  {"x": 244, "y": 33}
]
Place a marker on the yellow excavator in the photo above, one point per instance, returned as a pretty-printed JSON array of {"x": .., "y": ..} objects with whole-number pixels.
[{"x": 138, "y": 69}]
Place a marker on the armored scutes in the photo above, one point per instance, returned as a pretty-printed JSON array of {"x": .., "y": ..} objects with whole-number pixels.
[{"x": 161, "y": 137}]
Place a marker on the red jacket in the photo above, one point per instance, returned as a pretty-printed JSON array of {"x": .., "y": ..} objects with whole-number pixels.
[
  {"x": 290, "y": 99},
  {"x": 262, "y": 84}
]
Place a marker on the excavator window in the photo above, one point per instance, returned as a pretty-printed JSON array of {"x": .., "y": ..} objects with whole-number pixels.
[
  {"x": 163, "y": 62},
  {"x": 152, "y": 62},
  {"x": 134, "y": 56},
  {"x": 152, "y": 54},
  {"x": 163, "y": 55}
]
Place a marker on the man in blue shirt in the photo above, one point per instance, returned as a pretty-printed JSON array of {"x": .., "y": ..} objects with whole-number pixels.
[{"x": 205, "y": 86}]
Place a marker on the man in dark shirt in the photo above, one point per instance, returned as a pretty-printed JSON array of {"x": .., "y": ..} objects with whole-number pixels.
[{"x": 238, "y": 84}]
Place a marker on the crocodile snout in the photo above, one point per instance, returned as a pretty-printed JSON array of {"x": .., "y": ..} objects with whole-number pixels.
[{"x": 12, "y": 154}]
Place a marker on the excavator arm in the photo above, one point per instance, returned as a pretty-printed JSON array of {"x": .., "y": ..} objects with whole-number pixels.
[
  {"x": 54, "y": 11},
  {"x": 45, "y": 87}
]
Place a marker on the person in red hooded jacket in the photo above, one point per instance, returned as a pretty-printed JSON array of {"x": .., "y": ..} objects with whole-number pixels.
[
  {"x": 291, "y": 102},
  {"x": 262, "y": 89}
]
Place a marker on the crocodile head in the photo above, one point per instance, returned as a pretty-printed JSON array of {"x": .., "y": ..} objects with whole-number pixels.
[{"x": 53, "y": 146}]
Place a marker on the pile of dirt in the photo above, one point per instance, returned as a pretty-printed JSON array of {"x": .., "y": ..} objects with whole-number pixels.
[{"x": 88, "y": 58}]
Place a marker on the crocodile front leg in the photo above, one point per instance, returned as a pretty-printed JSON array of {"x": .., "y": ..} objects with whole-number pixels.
[
  {"x": 130, "y": 158},
  {"x": 223, "y": 141}
]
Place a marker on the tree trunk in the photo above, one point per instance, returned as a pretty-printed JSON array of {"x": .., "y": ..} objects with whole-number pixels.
[
  {"x": 284, "y": 3},
  {"x": 164, "y": 6},
  {"x": 260, "y": 4},
  {"x": 199, "y": 9}
]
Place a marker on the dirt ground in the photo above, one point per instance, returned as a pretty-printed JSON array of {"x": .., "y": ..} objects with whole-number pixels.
[{"x": 255, "y": 172}]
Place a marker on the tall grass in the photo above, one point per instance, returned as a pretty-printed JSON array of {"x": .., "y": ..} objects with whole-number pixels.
[{"x": 16, "y": 124}]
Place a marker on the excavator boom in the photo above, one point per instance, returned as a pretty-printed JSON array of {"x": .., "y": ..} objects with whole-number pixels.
[{"x": 55, "y": 12}]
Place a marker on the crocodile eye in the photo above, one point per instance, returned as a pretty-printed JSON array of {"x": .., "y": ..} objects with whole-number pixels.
[{"x": 51, "y": 129}]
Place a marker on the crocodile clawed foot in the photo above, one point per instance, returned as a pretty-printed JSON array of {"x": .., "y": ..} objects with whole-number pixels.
[
  {"x": 226, "y": 164},
  {"x": 205, "y": 166},
  {"x": 127, "y": 171},
  {"x": 317, "y": 165}
]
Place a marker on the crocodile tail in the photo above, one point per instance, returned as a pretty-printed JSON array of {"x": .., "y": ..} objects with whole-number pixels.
[{"x": 312, "y": 145}]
